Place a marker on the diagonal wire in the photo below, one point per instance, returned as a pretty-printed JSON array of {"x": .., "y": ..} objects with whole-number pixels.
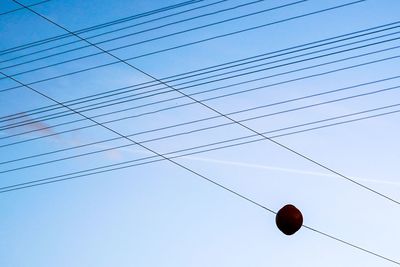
[
  {"x": 207, "y": 106},
  {"x": 188, "y": 169}
]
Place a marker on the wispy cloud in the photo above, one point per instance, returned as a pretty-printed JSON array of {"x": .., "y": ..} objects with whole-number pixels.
[{"x": 28, "y": 123}]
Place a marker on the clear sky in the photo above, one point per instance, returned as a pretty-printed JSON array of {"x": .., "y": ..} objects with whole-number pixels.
[{"x": 158, "y": 214}]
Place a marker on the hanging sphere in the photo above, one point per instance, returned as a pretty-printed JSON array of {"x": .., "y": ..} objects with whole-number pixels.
[{"x": 289, "y": 219}]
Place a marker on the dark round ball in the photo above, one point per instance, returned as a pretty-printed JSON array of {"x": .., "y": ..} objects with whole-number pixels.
[{"x": 289, "y": 219}]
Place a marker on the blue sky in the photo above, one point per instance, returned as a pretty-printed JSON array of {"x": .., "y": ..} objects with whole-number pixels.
[{"x": 160, "y": 215}]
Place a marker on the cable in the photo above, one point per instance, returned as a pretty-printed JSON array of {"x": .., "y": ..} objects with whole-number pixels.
[
  {"x": 209, "y": 127},
  {"x": 203, "y": 100},
  {"x": 103, "y": 25},
  {"x": 225, "y": 142},
  {"x": 206, "y": 70},
  {"x": 170, "y": 99},
  {"x": 208, "y": 118},
  {"x": 183, "y": 45},
  {"x": 21, "y": 8},
  {"x": 136, "y": 43},
  {"x": 127, "y": 27},
  {"x": 206, "y": 106},
  {"x": 124, "y": 98},
  {"x": 180, "y": 165},
  {"x": 13, "y": 188}
]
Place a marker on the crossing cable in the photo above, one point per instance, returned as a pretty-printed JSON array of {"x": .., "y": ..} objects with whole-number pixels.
[
  {"x": 131, "y": 34},
  {"x": 210, "y": 146},
  {"x": 181, "y": 46},
  {"x": 85, "y": 109},
  {"x": 193, "y": 102},
  {"x": 207, "y": 70},
  {"x": 199, "y": 175},
  {"x": 139, "y": 42},
  {"x": 203, "y": 177},
  {"x": 110, "y": 23},
  {"x": 204, "y": 119},
  {"x": 42, "y": 183},
  {"x": 125, "y": 99},
  {"x": 185, "y": 133},
  {"x": 206, "y": 106},
  {"x": 21, "y": 8}
]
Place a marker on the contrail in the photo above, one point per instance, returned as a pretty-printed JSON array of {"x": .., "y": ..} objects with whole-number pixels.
[{"x": 265, "y": 167}]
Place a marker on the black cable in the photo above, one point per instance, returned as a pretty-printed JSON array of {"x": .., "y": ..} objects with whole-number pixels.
[
  {"x": 208, "y": 127},
  {"x": 134, "y": 44},
  {"x": 208, "y": 118},
  {"x": 182, "y": 166},
  {"x": 21, "y": 8},
  {"x": 203, "y": 100},
  {"x": 19, "y": 124},
  {"x": 180, "y": 46},
  {"x": 117, "y": 91},
  {"x": 223, "y": 142},
  {"x": 124, "y": 28},
  {"x": 124, "y": 98},
  {"x": 202, "y": 104},
  {"x": 103, "y": 25},
  {"x": 26, "y": 185}
]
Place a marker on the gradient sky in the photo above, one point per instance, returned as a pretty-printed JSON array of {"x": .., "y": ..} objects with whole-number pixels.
[{"x": 161, "y": 215}]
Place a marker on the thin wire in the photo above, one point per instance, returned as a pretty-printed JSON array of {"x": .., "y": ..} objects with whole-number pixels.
[
  {"x": 203, "y": 100},
  {"x": 208, "y": 127},
  {"x": 21, "y": 8},
  {"x": 136, "y": 43},
  {"x": 206, "y": 106},
  {"x": 11, "y": 188},
  {"x": 103, "y": 25},
  {"x": 131, "y": 34},
  {"x": 209, "y": 69},
  {"x": 182, "y": 166},
  {"x": 125, "y": 99},
  {"x": 30, "y": 121},
  {"x": 228, "y": 141},
  {"x": 181, "y": 46},
  {"x": 208, "y": 118}
]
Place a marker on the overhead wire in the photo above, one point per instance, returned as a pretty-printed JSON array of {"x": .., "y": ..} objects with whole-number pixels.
[
  {"x": 193, "y": 102},
  {"x": 225, "y": 142},
  {"x": 205, "y": 70},
  {"x": 202, "y": 104},
  {"x": 131, "y": 34},
  {"x": 125, "y": 100},
  {"x": 21, "y": 8},
  {"x": 107, "y": 24},
  {"x": 210, "y": 118},
  {"x": 181, "y": 46},
  {"x": 182, "y": 166},
  {"x": 46, "y": 117},
  {"x": 138, "y": 42},
  {"x": 257, "y": 117}
]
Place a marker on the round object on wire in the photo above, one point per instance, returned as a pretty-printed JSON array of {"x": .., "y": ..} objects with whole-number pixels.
[{"x": 289, "y": 219}]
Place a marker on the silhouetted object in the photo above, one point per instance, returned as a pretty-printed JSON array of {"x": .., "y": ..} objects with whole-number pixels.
[{"x": 289, "y": 219}]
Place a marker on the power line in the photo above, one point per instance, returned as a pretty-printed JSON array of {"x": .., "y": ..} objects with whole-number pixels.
[
  {"x": 103, "y": 25},
  {"x": 201, "y": 176},
  {"x": 260, "y": 116},
  {"x": 131, "y": 34},
  {"x": 209, "y": 118},
  {"x": 210, "y": 69},
  {"x": 181, "y": 46},
  {"x": 210, "y": 146},
  {"x": 206, "y": 106},
  {"x": 124, "y": 98},
  {"x": 82, "y": 109},
  {"x": 203, "y": 100},
  {"x": 139, "y": 42},
  {"x": 21, "y": 8}
]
